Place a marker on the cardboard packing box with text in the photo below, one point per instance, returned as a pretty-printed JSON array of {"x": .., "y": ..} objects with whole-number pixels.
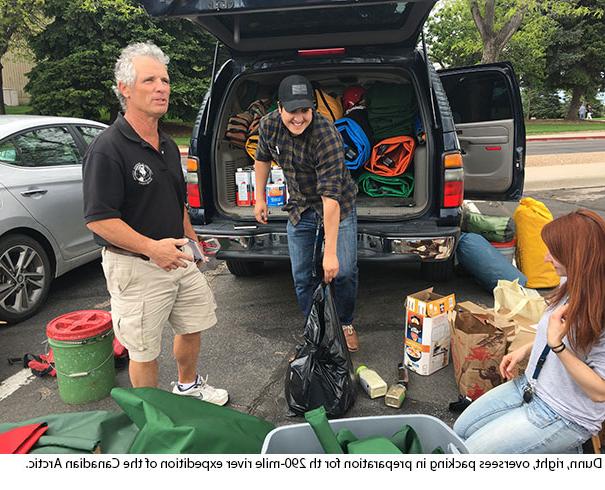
[{"x": 427, "y": 331}]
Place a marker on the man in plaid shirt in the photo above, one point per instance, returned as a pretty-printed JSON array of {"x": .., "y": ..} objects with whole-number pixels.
[{"x": 310, "y": 151}]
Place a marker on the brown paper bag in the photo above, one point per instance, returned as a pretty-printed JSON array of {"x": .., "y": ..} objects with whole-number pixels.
[{"x": 478, "y": 346}]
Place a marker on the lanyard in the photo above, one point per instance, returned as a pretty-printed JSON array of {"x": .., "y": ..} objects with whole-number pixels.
[
  {"x": 528, "y": 390},
  {"x": 540, "y": 362}
]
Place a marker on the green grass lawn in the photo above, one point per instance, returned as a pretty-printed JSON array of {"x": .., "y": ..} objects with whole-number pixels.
[
  {"x": 182, "y": 140},
  {"x": 19, "y": 109},
  {"x": 542, "y": 126}
]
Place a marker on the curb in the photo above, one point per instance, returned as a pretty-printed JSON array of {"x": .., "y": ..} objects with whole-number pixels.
[{"x": 563, "y": 138}]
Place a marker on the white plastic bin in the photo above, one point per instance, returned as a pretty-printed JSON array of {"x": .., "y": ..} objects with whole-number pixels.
[{"x": 300, "y": 438}]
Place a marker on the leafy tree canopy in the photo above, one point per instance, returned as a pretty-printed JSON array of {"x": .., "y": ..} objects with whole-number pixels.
[
  {"x": 77, "y": 52},
  {"x": 455, "y": 41},
  {"x": 576, "y": 56}
]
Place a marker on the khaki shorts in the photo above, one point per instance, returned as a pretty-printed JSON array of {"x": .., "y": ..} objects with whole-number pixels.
[{"x": 144, "y": 297}]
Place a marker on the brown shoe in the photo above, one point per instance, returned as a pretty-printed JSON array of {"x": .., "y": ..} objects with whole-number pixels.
[{"x": 351, "y": 338}]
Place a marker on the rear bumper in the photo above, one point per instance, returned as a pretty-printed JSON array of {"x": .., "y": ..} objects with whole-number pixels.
[{"x": 370, "y": 247}]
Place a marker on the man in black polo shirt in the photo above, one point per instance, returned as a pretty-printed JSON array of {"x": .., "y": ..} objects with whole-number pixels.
[
  {"x": 134, "y": 203},
  {"x": 310, "y": 150}
]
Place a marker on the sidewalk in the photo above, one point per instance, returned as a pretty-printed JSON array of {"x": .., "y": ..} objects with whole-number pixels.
[
  {"x": 565, "y": 170},
  {"x": 575, "y": 176}
]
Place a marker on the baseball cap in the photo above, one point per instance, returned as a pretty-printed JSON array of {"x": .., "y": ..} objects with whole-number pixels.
[{"x": 296, "y": 92}]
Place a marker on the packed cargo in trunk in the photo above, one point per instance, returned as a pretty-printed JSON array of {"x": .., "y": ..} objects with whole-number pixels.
[{"x": 380, "y": 122}]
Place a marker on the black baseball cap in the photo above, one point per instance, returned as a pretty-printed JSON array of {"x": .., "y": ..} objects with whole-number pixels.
[{"x": 296, "y": 92}]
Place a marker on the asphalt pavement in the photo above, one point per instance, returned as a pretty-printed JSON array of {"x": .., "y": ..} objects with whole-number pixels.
[
  {"x": 539, "y": 147},
  {"x": 258, "y": 329}
]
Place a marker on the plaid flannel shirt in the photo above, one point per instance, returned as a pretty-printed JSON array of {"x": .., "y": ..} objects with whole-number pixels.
[{"x": 313, "y": 164}]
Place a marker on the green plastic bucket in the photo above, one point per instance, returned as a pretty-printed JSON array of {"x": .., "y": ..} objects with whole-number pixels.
[{"x": 82, "y": 344}]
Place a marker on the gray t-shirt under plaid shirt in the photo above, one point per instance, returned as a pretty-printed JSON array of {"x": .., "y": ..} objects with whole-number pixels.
[{"x": 313, "y": 164}]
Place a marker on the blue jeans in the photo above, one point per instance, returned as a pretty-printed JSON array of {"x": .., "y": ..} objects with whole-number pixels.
[
  {"x": 500, "y": 422},
  {"x": 302, "y": 242}
]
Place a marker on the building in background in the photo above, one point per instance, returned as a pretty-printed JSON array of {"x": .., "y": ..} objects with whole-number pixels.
[{"x": 16, "y": 64}]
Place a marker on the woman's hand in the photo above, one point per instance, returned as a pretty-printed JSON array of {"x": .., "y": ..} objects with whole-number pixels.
[
  {"x": 557, "y": 326},
  {"x": 510, "y": 361}
]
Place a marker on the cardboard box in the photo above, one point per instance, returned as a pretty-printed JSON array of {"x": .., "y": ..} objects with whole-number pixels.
[{"x": 427, "y": 331}]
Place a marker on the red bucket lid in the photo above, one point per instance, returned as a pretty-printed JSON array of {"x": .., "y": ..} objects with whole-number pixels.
[{"x": 79, "y": 325}]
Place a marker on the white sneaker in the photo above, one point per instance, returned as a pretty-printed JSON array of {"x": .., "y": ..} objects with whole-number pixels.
[{"x": 204, "y": 391}]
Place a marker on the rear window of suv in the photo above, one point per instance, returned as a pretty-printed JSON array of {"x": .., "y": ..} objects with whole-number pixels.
[
  {"x": 338, "y": 19},
  {"x": 491, "y": 100}
]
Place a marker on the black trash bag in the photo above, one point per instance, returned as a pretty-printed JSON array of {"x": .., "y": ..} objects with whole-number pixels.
[{"x": 322, "y": 372}]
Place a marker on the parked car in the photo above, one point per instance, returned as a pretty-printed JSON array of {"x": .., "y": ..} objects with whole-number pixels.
[
  {"x": 472, "y": 120},
  {"x": 42, "y": 231}
]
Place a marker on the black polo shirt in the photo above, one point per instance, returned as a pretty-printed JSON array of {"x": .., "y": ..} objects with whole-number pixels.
[{"x": 125, "y": 177}]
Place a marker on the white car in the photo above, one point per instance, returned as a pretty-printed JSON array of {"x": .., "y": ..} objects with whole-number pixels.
[{"x": 42, "y": 231}]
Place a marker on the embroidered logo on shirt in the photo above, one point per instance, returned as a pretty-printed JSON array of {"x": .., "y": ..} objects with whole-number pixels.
[{"x": 142, "y": 173}]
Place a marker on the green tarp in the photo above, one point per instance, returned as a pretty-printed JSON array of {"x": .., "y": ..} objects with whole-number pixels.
[
  {"x": 404, "y": 441},
  {"x": 378, "y": 186},
  {"x": 391, "y": 109},
  {"x": 83, "y": 432},
  {"x": 174, "y": 424},
  {"x": 153, "y": 421}
]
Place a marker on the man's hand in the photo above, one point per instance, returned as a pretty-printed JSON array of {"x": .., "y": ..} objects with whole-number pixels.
[
  {"x": 166, "y": 254},
  {"x": 330, "y": 267},
  {"x": 261, "y": 212},
  {"x": 557, "y": 326}
]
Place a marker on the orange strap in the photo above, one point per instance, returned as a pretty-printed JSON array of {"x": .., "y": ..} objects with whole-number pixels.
[{"x": 391, "y": 156}]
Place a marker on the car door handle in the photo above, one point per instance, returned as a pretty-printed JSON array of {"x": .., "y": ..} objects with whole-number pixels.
[{"x": 33, "y": 192}]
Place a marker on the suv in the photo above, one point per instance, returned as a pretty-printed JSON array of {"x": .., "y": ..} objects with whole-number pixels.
[{"x": 469, "y": 114}]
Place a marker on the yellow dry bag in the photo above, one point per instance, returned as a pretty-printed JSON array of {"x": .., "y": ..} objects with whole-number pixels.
[{"x": 530, "y": 217}]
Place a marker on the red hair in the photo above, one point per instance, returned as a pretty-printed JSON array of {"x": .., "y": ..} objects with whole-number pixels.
[{"x": 577, "y": 242}]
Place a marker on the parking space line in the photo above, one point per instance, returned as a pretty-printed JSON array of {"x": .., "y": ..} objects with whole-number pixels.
[{"x": 16, "y": 381}]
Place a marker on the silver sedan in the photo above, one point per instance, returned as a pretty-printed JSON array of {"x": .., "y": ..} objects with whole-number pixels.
[{"x": 42, "y": 232}]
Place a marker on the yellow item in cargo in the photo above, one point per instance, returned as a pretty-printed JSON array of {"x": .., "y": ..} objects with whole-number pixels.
[
  {"x": 251, "y": 144},
  {"x": 328, "y": 106},
  {"x": 530, "y": 217}
]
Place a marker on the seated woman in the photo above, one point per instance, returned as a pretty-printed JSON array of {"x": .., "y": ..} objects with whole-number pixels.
[{"x": 555, "y": 408}]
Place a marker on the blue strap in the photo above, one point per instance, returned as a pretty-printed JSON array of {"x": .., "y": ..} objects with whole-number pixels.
[{"x": 541, "y": 361}]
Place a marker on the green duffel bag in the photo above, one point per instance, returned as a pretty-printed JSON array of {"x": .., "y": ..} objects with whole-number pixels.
[
  {"x": 493, "y": 228},
  {"x": 175, "y": 424}
]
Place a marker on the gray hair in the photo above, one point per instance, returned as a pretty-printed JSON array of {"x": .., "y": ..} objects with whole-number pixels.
[{"x": 124, "y": 69}]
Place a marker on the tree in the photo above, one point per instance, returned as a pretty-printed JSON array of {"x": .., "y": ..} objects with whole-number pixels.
[
  {"x": 496, "y": 33},
  {"x": 18, "y": 19},
  {"x": 576, "y": 57},
  {"x": 498, "y": 20},
  {"x": 452, "y": 36},
  {"x": 76, "y": 54},
  {"x": 455, "y": 41}
]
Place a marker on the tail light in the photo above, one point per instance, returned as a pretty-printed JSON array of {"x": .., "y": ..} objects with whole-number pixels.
[
  {"x": 194, "y": 197},
  {"x": 453, "y": 180}
]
